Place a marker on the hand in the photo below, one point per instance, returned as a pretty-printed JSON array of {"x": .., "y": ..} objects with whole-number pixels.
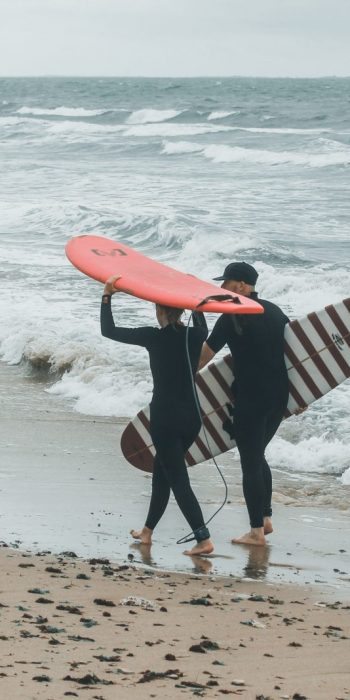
[{"x": 109, "y": 286}]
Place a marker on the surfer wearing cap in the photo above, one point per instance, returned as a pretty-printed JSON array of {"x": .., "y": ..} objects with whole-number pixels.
[
  {"x": 260, "y": 390},
  {"x": 174, "y": 419}
]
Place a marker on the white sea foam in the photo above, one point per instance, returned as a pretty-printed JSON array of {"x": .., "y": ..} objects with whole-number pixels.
[
  {"x": 300, "y": 299},
  {"x": 173, "y": 129},
  {"x": 236, "y": 154},
  {"x": 67, "y": 344},
  {"x": 345, "y": 479},
  {"x": 202, "y": 255},
  {"x": 281, "y": 130},
  {"x": 179, "y": 147},
  {"x": 61, "y": 111},
  {"x": 320, "y": 455},
  {"x": 102, "y": 390},
  {"x": 81, "y": 130},
  {"x": 150, "y": 116},
  {"x": 221, "y": 114},
  {"x": 11, "y": 121}
]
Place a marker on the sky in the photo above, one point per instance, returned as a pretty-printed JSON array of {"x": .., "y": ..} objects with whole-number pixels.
[{"x": 299, "y": 38}]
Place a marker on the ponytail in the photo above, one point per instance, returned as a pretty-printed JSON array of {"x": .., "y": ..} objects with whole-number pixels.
[{"x": 173, "y": 314}]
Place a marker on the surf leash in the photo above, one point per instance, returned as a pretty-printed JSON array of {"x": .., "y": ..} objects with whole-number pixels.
[{"x": 219, "y": 297}]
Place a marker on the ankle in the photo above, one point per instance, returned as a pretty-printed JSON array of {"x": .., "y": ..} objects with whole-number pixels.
[
  {"x": 202, "y": 534},
  {"x": 257, "y": 532}
]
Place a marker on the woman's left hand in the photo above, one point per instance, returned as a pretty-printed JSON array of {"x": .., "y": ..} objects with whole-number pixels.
[{"x": 109, "y": 285}]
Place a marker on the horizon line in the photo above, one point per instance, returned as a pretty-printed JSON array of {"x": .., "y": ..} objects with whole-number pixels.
[{"x": 178, "y": 77}]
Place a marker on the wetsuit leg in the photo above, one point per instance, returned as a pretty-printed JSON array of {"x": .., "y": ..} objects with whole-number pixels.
[
  {"x": 171, "y": 449},
  {"x": 267, "y": 476},
  {"x": 250, "y": 428},
  {"x": 273, "y": 422},
  {"x": 160, "y": 495}
]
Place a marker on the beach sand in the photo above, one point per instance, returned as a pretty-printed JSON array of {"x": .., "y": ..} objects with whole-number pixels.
[
  {"x": 275, "y": 619},
  {"x": 98, "y": 631}
]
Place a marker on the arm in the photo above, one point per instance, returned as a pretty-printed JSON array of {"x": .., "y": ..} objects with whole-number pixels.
[
  {"x": 199, "y": 321},
  {"x": 200, "y": 325},
  {"x": 215, "y": 342},
  {"x": 134, "y": 336},
  {"x": 207, "y": 354}
]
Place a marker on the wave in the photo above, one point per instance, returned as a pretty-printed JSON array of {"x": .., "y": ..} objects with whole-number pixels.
[
  {"x": 281, "y": 130},
  {"x": 345, "y": 479},
  {"x": 221, "y": 114},
  {"x": 179, "y": 147},
  {"x": 317, "y": 454},
  {"x": 12, "y": 121},
  {"x": 78, "y": 364},
  {"x": 151, "y": 116},
  {"x": 175, "y": 129},
  {"x": 236, "y": 154},
  {"x": 82, "y": 129},
  {"x": 61, "y": 112}
]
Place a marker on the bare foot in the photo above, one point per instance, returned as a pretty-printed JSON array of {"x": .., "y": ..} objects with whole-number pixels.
[
  {"x": 255, "y": 536},
  {"x": 200, "y": 549},
  {"x": 144, "y": 535},
  {"x": 267, "y": 525}
]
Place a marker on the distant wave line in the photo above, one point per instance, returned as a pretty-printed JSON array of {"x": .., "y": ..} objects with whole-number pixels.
[{"x": 235, "y": 154}]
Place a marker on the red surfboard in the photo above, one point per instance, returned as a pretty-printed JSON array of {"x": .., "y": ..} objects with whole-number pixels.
[{"x": 100, "y": 257}]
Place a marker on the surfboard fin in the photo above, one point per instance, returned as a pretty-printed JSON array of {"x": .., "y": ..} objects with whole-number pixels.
[{"x": 219, "y": 297}]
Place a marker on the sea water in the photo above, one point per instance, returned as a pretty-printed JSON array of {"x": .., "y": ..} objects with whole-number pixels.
[{"x": 196, "y": 173}]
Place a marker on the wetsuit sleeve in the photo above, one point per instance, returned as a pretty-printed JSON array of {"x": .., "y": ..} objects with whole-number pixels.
[
  {"x": 218, "y": 337},
  {"x": 133, "y": 336},
  {"x": 200, "y": 323}
]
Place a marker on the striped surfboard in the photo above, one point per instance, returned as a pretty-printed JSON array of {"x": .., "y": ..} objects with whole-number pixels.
[{"x": 317, "y": 355}]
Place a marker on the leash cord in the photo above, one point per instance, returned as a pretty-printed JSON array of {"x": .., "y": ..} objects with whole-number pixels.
[{"x": 192, "y": 536}]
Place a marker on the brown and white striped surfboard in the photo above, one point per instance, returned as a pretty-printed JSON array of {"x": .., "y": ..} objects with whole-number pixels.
[{"x": 317, "y": 354}]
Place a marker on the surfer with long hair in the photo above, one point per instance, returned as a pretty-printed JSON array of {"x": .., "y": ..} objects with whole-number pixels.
[{"x": 174, "y": 419}]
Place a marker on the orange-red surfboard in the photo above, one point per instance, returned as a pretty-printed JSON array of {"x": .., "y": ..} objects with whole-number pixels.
[{"x": 100, "y": 257}]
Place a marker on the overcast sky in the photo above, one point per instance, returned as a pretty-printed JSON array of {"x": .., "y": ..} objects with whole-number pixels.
[{"x": 175, "y": 37}]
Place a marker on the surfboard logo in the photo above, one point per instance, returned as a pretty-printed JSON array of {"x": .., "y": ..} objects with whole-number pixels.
[
  {"x": 338, "y": 340},
  {"x": 112, "y": 253}
]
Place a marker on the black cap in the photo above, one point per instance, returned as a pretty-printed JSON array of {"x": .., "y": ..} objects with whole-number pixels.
[{"x": 240, "y": 272}]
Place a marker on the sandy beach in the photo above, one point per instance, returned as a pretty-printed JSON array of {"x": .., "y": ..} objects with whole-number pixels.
[
  {"x": 98, "y": 630},
  {"x": 85, "y": 613}
]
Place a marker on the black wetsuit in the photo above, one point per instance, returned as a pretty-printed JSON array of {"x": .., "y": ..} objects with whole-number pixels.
[
  {"x": 174, "y": 419},
  {"x": 260, "y": 391}
]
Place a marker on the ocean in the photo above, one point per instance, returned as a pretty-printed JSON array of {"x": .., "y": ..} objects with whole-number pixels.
[{"x": 196, "y": 173}]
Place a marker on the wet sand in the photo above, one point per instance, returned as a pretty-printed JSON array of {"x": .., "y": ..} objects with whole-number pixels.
[{"x": 65, "y": 485}]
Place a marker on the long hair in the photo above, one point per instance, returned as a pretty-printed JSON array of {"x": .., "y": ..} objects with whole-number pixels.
[{"x": 173, "y": 314}]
